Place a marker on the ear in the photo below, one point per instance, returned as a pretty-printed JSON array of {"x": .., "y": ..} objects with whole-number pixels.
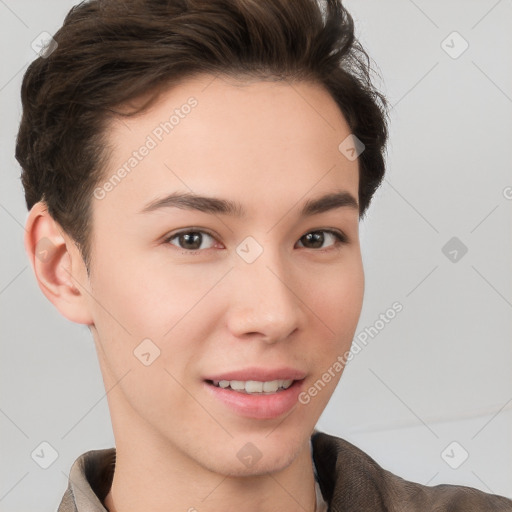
[{"x": 58, "y": 265}]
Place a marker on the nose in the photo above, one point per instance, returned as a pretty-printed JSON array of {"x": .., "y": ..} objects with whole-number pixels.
[{"x": 264, "y": 302}]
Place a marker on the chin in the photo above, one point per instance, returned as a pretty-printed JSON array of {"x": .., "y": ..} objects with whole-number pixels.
[
  {"x": 271, "y": 464},
  {"x": 255, "y": 456}
]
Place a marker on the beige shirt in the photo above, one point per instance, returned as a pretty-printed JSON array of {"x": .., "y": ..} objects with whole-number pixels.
[{"x": 347, "y": 480}]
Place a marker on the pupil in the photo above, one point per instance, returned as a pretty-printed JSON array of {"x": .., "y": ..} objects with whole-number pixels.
[
  {"x": 189, "y": 238},
  {"x": 317, "y": 237}
]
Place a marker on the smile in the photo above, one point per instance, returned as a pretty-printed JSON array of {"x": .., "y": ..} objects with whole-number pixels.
[
  {"x": 257, "y": 399},
  {"x": 254, "y": 386}
]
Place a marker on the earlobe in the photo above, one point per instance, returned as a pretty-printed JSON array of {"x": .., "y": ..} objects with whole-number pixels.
[{"x": 57, "y": 265}]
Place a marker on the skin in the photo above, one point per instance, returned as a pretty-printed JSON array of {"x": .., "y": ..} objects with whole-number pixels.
[{"x": 270, "y": 146}]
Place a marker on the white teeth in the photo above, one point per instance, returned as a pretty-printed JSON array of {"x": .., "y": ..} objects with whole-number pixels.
[
  {"x": 255, "y": 386},
  {"x": 287, "y": 383},
  {"x": 237, "y": 385},
  {"x": 271, "y": 386}
]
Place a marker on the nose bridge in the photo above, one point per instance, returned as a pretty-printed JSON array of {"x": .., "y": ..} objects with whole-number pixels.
[{"x": 264, "y": 302}]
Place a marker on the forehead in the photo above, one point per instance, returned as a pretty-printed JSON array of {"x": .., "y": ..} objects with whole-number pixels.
[{"x": 231, "y": 137}]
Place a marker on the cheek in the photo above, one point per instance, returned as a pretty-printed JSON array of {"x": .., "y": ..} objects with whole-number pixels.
[
  {"x": 147, "y": 325},
  {"x": 337, "y": 299},
  {"x": 336, "y": 305},
  {"x": 147, "y": 299},
  {"x": 169, "y": 305}
]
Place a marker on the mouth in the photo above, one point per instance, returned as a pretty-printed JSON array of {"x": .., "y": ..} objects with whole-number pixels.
[
  {"x": 256, "y": 399},
  {"x": 253, "y": 387}
]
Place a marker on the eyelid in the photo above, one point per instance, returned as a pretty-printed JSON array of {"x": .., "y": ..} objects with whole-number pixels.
[
  {"x": 192, "y": 229},
  {"x": 341, "y": 237}
]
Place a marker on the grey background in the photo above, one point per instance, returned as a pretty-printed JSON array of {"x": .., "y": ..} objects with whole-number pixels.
[{"x": 438, "y": 372}]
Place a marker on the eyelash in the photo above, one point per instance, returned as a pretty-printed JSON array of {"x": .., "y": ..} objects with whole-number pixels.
[{"x": 341, "y": 239}]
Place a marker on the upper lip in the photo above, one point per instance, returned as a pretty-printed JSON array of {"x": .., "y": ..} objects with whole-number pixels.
[{"x": 259, "y": 374}]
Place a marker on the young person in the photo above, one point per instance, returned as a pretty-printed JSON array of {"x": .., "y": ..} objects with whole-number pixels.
[{"x": 195, "y": 172}]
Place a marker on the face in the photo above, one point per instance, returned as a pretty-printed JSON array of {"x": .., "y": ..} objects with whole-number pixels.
[{"x": 192, "y": 298}]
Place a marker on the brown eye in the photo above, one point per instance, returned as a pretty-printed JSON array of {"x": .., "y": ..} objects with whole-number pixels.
[
  {"x": 189, "y": 240},
  {"x": 316, "y": 239}
]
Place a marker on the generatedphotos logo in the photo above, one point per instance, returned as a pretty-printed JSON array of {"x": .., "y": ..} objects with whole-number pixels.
[
  {"x": 152, "y": 140},
  {"x": 338, "y": 365}
]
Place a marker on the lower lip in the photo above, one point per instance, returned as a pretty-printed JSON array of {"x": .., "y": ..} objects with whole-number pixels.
[{"x": 255, "y": 406}]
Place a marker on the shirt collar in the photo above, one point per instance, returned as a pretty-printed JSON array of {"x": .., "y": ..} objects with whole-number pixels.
[{"x": 90, "y": 479}]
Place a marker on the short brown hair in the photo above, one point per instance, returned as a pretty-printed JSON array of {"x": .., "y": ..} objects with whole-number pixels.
[{"x": 111, "y": 51}]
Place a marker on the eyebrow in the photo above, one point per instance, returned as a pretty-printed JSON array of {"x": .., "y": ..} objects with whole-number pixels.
[{"x": 213, "y": 205}]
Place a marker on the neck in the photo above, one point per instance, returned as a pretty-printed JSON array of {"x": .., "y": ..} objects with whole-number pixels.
[
  {"x": 151, "y": 473},
  {"x": 144, "y": 479}
]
